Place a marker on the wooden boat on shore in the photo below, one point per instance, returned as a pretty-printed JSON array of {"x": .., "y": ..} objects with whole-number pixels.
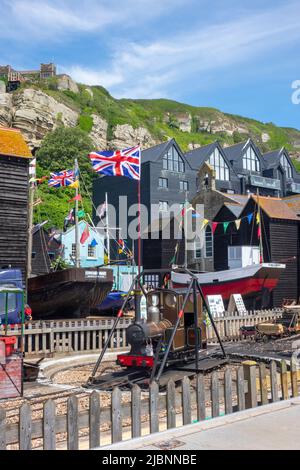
[{"x": 69, "y": 292}]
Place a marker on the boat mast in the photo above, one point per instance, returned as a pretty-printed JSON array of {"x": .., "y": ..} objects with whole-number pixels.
[
  {"x": 107, "y": 229},
  {"x": 77, "y": 255},
  {"x": 30, "y": 227},
  {"x": 260, "y": 229},
  {"x": 185, "y": 231}
]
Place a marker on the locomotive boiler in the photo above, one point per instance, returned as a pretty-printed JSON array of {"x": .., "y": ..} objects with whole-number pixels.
[{"x": 166, "y": 320}]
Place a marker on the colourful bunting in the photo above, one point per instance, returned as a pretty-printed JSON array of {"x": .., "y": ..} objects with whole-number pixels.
[
  {"x": 85, "y": 234},
  {"x": 250, "y": 217},
  {"x": 225, "y": 226},
  {"x": 76, "y": 198},
  {"x": 214, "y": 227},
  {"x": 81, "y": 213},
  {"x": 204, "y": 223},
  {"x": 237, "y": 224},
  {"x": 75, "y": 184},
  {"x": 257, "y": 218},
  {"x": 258, "y": 232},
  {"x": 94, "y": 243}
]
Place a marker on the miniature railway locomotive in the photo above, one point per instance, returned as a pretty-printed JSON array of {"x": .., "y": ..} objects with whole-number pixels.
[{"x": 148, "y": 338}]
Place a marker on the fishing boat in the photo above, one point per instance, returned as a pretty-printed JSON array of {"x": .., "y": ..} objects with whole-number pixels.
[
  {"x": 68, "y": 293},
  {"x": 254, "y": 282}
]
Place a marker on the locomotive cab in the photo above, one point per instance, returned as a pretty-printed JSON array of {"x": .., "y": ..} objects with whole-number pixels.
[{"x": 149, "y": 337}]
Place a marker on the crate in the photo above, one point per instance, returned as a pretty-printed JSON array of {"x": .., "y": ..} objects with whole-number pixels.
[{"x": 10, "y": 342}]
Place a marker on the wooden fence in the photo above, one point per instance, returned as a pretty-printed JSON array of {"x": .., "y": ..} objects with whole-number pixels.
[
  {"x": 86, "y": 423},
  {"x": 77, "y": 336}
]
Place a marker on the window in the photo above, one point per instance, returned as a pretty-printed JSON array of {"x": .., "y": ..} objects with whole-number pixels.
[
  {"x": 163, "y": 206},
  {"x": 73, "y": 250},
  {"x": 172, "y": 161},
  {"x": 11, "y": 302},
  {"x": 208, "y": 242},
  {"x": 287, "y": 166},
  {"x": 198, "y": 250},
  {"x": 162, "y": 182},
  {"x": 183, "y": 185},
  {"x": 91, "y": 251},
  {"x": 219, "y": 165},
  {"x": 151, "y": 280},
  {"x": 250, "y": 161}
]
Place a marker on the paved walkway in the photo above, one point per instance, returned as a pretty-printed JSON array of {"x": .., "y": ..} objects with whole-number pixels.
[{"x": 274, "y": 426}]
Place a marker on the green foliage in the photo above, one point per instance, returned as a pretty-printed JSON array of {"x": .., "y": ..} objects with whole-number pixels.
[
  {"x": 86, "y": 122},
  {"x": 59, "y": 264},
  {"x": 58, "y": 152}
]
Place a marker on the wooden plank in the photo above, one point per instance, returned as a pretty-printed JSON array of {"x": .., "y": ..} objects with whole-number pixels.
[
  {"x": 153, "y": 403},
  {"x": 2, "y": 429},
  {"x": 186, "y": 401},
  {"x": 274, "y": 384},
  {"x": 25, "y": 423},
  {"x": 49, "y": 425},
  {"x": 200, "y": 393},
  {"x": 136, "y": 411},
  {"x": 116, "y": 415},
  {"x": 171, "y": 405},
  {"x": 284, "y": 380},
  {"x": 72, "y": 423},
  {"x": 240, "y": 382},
  {"x": 228, "y": 390},
  {"x": 294, "y": 378},
  {"x": 263, "y": 384},
  {"x": 94, "y": 431},
  {"x": 215, "y": 398},
  {"x": 250, "y": 378}
]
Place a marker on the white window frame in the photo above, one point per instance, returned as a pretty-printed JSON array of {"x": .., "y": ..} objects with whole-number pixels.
[{"x": 209, "y": 242}]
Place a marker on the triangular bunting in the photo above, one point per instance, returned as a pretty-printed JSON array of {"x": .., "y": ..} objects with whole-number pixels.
[
  {"x": 258, "y": 232},
  {"x": 214, "y": 227},
  {"x": 204, "y": 223},
  {"x": 257, "y": 218},
  {"x": 225, "y": 226},
  {"x": 250, "y": 217},
  {"x": 237, "y": 224}
]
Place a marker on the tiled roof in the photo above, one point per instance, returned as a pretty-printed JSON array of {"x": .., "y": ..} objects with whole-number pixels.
[
  {"x": 293, "y": 202},
  {"x": 12, "y": 143},
  {"x": 153, "y": 153},
  {"x": 276, "y": 208},
  {"x": 234, "y": 152},
  {"x": 198, "y": 156},
  {"x": 236, "y": 209}
]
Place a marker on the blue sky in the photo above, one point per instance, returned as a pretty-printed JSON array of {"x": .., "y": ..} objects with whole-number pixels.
[{"x": 240, "y": 57}]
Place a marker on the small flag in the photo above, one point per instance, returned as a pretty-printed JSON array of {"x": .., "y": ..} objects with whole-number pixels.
[
  {"x": 121, "y": 246},
  {"x": 101, "y": 210},
  {"x": 237, "y": 224},
  {"x": 69, "y": 219},
  {"x": 94, "y": 242},
  {"x": 250, "y": 217},
  {"x": 214, "y": 227},
  {"x": 61, "y": 179},
  {"x": 85, "y": 234},
  {"x": 41, "y": 180},
  {"x": 225, "y": 226},
  {"x": 258, "y": 232},
  {"x": 75, "y": 184},
  {"x": 257, "y": 218},
  {"x": 81, "y": 213},
  {"x": 76, "y": 198},
  {"x": 204, "y": 223}
]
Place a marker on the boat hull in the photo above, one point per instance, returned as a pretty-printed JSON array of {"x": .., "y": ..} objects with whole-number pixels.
[
  {"x": 252, "y": 282},
  {"x": 68, "y": 293}
]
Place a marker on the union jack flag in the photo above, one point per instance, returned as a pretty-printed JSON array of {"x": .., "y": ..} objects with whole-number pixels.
[
  {"x": 120, "y": 163},
  {"x": 62, "y": 178}
]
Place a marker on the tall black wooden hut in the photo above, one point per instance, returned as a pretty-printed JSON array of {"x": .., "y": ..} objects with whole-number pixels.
[
  {"x": 14, "y": 164},
  {"x": 280, "y": 236}
]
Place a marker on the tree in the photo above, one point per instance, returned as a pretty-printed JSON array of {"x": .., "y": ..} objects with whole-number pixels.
[{"x": 58, "y": 152}]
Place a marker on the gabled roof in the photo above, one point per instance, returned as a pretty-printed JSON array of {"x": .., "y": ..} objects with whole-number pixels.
[
  {"x": 235, "y": 152},
  {"x": 237, "y": 198},
  {"x": 12, "y": 144},
  {"x": 154, "y": 153},
  {"x": 272, "y": 159},
  {"x": 236, "y": 209},
  {"x": 198, "y": 156},
  {"x": 275, "y": 208},
  {"x": 293, "y": 202}
]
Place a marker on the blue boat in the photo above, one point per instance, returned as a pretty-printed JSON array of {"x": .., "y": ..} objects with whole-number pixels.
[{"x": 112, "y": 303}]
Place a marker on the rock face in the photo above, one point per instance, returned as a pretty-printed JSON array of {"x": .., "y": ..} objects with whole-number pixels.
[
  {"x": 65, "y": 82},
  {"x": 184, "y": 121},
  {"x": 227, "y": 126},
  {"x": 265, "y": 137},
  {"x": 35, "y": 114},
  {"x": 98, "y": 133},
  {"x": 6, "y": 110},
  {"x": 2, "y": 87},
  {"x": 126, "y": 136}
]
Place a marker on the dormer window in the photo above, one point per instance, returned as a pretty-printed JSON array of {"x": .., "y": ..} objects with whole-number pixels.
[
  {"x": 172, "y": 161},
  {"x": 286, "y": 165},
  {"x": 250, "y": 161},
  {"x": 219, "y": 165}
]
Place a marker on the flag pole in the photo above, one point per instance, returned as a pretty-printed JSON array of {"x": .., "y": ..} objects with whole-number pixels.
[
  {"x": 77, "y": 244},
  {"x": 107, "y": 229},
  {"x": 139, "y": 230}
]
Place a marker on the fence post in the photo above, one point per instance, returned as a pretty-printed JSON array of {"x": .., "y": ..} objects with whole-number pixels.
[
  {"x": 274, "y": 385},
  {"x": 250, "y": 376},
  {"x": 153, "y": 402},
  {"x": 215, "y": 406},
  {"x": 171, "y": 405},
  {"x": 228, "y": 390},
  {"x": 116, "y": 415},
  {"x": 49, "y": 425},
  {"x": 186, "y": 401},
  {"x": 94, "y": 434},
  {"x": 72, "y": 423},
  {"x": 25, "y": 424},
  {"x": 263, "y": 384},
  {"x": 240, "y": 382},
  {"x": 136, "y": 411},
  {"x": 200, "y": 390},
  {"x": 2, "y": 429},
  {"x": 284, "y": 380},
  {"x": 294, "y": 378}
]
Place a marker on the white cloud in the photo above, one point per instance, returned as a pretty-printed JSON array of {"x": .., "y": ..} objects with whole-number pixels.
[{"x": 155, "y": 69}]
